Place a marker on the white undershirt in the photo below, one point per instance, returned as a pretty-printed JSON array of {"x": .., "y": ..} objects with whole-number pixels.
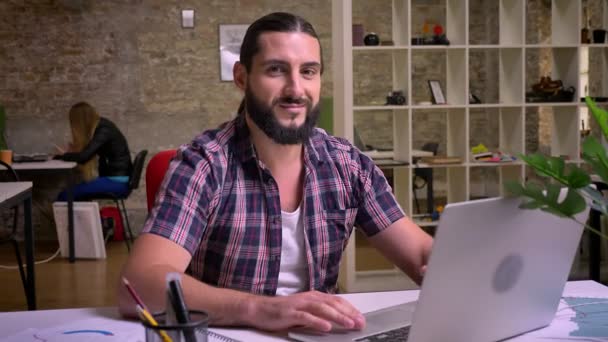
[{"x": 293, "y": 273}]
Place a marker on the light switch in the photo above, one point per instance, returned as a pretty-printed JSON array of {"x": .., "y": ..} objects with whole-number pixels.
[{"x": 187, "y": 18}]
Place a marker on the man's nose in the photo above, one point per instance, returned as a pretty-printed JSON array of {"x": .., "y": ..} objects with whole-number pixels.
[{"x": 294, "y": 87}]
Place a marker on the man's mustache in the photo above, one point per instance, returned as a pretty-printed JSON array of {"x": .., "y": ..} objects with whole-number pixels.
[{"x": 293, "y": 100}]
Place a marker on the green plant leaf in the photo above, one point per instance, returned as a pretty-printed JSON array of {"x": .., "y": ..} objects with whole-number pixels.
[
  {"x": 595, "y": 155},
  {"x": 547, "y": 198},
  {"x": 577, "y": 177},
  {"x": 600, "y": 115},
  {"x": 556, "y": 169}
]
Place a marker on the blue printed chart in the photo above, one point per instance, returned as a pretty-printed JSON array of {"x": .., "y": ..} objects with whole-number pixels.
[
  {"x": 578, "y": 318},
  {"x": 590, "y": 316},
  {"x": 88, "y": 330}
]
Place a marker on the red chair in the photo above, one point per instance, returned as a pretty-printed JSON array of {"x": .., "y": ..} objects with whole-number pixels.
[{"x": 155, "y": 172}]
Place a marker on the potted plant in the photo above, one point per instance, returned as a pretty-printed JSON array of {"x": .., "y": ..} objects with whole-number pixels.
[{"x": 556, "y": 174}]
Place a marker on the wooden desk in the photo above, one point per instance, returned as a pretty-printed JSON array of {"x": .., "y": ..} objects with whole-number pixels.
[
  {"x": 14, "y": 322},
  {"x": 12, "y": 194},
  {"x": 52, "y": 166}
]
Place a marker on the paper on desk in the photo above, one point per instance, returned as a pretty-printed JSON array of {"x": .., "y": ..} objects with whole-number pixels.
[{"x": 88, "y": 330}]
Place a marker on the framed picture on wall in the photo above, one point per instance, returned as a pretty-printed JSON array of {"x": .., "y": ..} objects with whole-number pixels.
[
  {"x": 436, "y": 92},
  {"x": 231, "y": 37}
]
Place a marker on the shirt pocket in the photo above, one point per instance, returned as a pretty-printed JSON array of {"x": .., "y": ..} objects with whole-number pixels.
[{"x": 339, "y": 225}]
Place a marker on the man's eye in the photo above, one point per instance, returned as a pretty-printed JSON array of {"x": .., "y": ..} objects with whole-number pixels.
[
  {"x": 310, "y": 73},
  {"x": 276, "y": 69}
]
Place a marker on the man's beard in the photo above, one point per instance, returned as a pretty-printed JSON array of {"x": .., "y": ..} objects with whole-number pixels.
[{"x": 265, "y": 118}]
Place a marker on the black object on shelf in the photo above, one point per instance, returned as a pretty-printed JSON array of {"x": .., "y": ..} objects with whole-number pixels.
[
  {"x": 371, "y": 39},
  {"x": 561, "y": 95},
  {"x": 596, "y": 99},
  {"x": 599, "y": 36},
  {"x": 396, "y": 98}
]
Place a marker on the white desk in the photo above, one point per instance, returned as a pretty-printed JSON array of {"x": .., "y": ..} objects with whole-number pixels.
[
  {"x": 15, "y": 322},
  {"x": 51, "y": 166},
  {"x": 45, "y": 165},
  {"x": 12, "y": 194}
]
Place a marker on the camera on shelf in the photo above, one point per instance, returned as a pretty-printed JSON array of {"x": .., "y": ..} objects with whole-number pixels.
[{"x": 395, "y": 98}]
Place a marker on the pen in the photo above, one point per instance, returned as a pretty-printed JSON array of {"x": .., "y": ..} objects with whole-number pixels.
[
  {"x": 176, "y": 298},
  {"x": 146, "y": 316}
]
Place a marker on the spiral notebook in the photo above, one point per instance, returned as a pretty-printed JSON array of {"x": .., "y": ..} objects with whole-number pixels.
[{"x": 213, "y": 336}]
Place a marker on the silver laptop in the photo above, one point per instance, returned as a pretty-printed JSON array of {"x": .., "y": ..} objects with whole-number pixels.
[{"x": 496, "y": 271}]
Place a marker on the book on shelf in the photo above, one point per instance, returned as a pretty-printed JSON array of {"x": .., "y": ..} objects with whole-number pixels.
[{"x": 436, "y": 160}]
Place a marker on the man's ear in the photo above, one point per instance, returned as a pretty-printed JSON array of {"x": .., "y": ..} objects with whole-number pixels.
[{"x": 239, "y": 74}]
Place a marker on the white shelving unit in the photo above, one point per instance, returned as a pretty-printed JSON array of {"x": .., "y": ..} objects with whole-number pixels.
[{"x": 510, "y": 108}]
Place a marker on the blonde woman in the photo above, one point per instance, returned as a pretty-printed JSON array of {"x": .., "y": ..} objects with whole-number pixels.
[{"x": 96, "y": 141}]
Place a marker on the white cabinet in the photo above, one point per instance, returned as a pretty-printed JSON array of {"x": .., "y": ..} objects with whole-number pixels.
[{"x": 507, "y": 111}]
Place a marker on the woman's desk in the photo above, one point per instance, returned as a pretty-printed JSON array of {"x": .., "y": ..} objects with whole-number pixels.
[
  {"x": 563, "y": 327},
  {"x": 53, "y": 166},
  {"x": 12, "y": 194}
]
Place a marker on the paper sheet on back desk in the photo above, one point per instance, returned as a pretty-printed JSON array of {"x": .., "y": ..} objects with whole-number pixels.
[{"x": 87, "y": 330}]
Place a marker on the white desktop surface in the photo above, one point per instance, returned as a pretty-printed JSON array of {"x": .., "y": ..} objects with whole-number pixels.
[
  {"x": 9, "y": 190},
  {"x": 15, "y": 322},
  {"x": 45, "y": 165}
]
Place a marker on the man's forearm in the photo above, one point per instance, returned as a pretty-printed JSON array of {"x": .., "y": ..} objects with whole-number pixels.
[{"x": 224, "y": 306}]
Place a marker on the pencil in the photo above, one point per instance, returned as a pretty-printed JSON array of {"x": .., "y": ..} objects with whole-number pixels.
[
  {"x": 146, "y": 316},
  {"x": 59, "y": 148},
  {"x": 134, "y": 294}
]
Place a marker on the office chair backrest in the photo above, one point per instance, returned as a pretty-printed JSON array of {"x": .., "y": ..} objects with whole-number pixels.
[
  {"x": 431, "y": 147},
  {"x": 138, "y": 166},
  {"x": 11, "y": 171},
  {"x": 155, "y": 172}
]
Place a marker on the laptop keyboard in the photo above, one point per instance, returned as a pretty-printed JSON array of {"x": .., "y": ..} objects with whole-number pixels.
[{"x": 399, "y": 334}]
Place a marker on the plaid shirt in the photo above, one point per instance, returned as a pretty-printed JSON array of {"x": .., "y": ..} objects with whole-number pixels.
[{"x": 221, "y": 203}]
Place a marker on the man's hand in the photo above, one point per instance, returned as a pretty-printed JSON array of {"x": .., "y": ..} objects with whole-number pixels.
[{"x": 313, "y": 309}]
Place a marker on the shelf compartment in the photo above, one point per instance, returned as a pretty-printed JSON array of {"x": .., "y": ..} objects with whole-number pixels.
[
  {"x": 457, "y": 60},
  {"x": 483, "y": 26},
  {"x": 367, "y": 137},
  {"x": 484, "y": 182},
  {"x": 565, "y": 133},
  {"x": 489, "y": 181},
  {"x": 457, "y": 133},
  {"x": 597, "y": 72},
  {"x": 510, "y": 75},
  {"x": 563, "y": 64},
  {"x": 565, "y": 17},
  {"x": 484, "y": 81},
  {"x": 511, "y": 130},
  {"x": 457, "y": 184},
  {"x": 400, "y": 22},
  {"x": 402, "y": 134},
  {"x": 371, "y": 85},
  {"x": 511, "y": 15},
  {"x": 457, "y": 18}
]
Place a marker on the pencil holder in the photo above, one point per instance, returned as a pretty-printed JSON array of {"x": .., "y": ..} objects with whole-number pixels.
[{"x": 194, "y": 331}]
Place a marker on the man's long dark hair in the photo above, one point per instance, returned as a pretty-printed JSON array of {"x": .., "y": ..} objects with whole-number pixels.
[{"x": 273, "y": 22}]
